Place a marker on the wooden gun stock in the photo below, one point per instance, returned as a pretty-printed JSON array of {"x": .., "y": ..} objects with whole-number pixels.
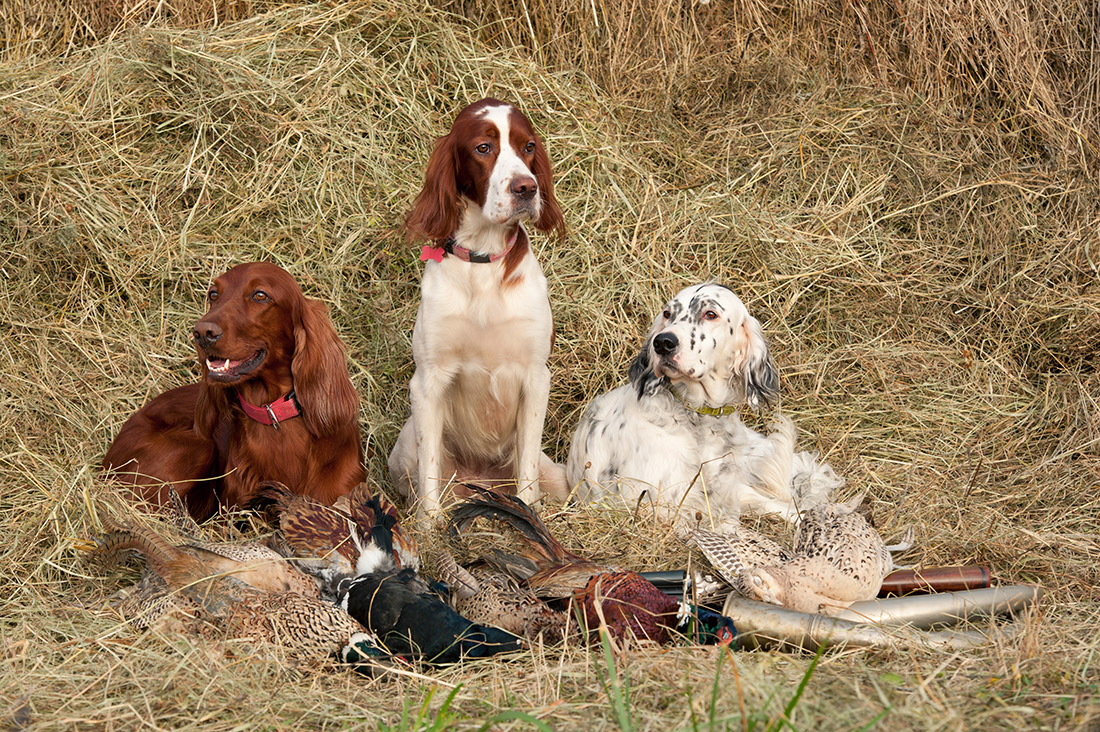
[{"x": 935, "y": 579}]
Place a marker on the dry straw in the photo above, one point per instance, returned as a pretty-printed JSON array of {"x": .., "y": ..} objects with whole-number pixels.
[{"x": 920, "y": 244}]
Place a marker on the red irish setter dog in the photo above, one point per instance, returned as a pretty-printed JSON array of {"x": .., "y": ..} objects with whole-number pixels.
[{"x": 275, "y": 403}]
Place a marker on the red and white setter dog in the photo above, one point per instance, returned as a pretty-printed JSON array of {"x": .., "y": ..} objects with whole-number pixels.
[
  {"x": 484, "y": 329},
  {"x": 275, "y": 404}
]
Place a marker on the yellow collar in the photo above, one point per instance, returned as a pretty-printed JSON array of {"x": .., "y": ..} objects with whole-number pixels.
[{"x": 709, "y": 411}]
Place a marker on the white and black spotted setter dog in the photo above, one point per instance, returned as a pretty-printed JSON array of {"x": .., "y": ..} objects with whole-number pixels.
[{"x": 672, "y": 436}]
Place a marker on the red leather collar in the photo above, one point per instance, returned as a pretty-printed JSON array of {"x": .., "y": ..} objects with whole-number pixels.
[{"x": 277, "y": 411}]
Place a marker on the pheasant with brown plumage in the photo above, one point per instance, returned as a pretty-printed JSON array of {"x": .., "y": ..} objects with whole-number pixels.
[
  {"x": 627, "y": 603},
  {"x": 486, "y": 595},
  {"x": 357, "y": 535},
  {"x": 244, "y": 598}
]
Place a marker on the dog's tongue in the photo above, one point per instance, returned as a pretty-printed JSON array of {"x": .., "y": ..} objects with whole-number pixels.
[{"x": 222, "y": 365}]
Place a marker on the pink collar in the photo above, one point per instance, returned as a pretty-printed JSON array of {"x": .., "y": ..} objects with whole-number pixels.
[
  {"x": 450, "y": 246},
  {"x": 277, "y": 411}
]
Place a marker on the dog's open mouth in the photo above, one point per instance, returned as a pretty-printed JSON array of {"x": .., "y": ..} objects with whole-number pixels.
[{"x": 226, "y": 369}]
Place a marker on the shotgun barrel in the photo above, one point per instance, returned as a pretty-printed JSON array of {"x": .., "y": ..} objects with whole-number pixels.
[
  {"x": 926, "y": 611},
  {"x": 935, "y": 579},
  {"x": 760, "y": 625},
  {"x": 901, "y": 582}
]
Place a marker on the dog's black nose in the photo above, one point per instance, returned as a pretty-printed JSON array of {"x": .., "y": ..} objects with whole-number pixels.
[
  {"x": 665, "y": 343},
  {"x": 207, "y": 334},
  {"x": 524, "y": 187}
]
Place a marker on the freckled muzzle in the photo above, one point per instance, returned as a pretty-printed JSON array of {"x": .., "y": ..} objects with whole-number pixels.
[{"x": 525, "y": 202}]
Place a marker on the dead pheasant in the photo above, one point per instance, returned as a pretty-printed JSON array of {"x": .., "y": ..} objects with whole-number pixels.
[
  {"x": 838, "y": 559},
  {"x": 627, "y": 603},
  {"x": 253, "y": 564},
  {"x": 239, "y": 598},
  {"x": 357, "y": 535},
  {"x": 489, "y": 596}
]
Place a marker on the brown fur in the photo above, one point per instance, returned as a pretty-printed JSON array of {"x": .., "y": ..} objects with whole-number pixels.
[
  {"x": 197, "y": 438},
  {"x": 453, "y": 174}
]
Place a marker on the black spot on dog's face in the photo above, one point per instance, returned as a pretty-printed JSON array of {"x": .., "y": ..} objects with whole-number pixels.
[
  {"x": 693, "y": 318},
  {"x": 641, "y": 373},
  {"x": 712, "y": 343}
]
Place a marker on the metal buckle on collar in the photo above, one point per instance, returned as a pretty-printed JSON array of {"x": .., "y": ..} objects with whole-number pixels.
[{"x": 271, "y": 413}]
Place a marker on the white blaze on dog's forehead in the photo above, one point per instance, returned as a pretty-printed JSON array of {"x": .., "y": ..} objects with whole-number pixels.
[{"x": 508, "y": 166}]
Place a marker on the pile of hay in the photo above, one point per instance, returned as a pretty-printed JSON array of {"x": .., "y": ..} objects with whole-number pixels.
[{"x": 928, "y": 278}]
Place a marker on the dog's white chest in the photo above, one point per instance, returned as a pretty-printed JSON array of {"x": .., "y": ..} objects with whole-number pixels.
[
  {"x": 481, "y": 344},
  {"x": 467, "y": 323}
]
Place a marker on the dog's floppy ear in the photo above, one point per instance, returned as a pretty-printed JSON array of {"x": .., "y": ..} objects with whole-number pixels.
[
  {"x": 550, "y": 218},
  {"x": 641, "y": 371},
  {"x": 754, "y": 373},
  {"x": 321, "y": 382},
  {"x": 436, "y": 212}
]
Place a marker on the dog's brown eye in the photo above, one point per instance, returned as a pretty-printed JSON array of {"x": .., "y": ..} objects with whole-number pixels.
[
  {"x": 667, "y": 314},
  {"x": 260, "y": 296},
  {"x": 710, "y": 315},
  {"x": 483, "y": 148},
  {"x": 212, "y": 295},
  {"x": 530, "y": 147}
]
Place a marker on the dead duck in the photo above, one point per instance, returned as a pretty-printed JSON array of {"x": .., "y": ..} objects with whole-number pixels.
[{"x": 410, "y": 620}]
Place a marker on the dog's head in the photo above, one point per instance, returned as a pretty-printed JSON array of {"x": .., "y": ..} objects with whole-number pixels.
[
  {"x": 493, "y": 163},
  {"x": 706, "y": 342},
  {"x": 249, "y": 324},
  {"x": 261, "y": 328}
]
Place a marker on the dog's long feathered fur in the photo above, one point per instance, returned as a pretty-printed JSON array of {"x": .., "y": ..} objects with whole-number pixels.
[
  {"x": 484, "y": 329},
  {"x": 260, "y": 340},
  {"x": 672, "y": 436}
]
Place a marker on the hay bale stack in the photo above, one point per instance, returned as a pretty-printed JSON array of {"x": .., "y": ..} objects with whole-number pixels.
[{"x": 1031, "y": 66}]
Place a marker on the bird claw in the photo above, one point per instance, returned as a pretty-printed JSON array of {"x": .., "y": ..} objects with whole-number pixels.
[{"x": 906, "y": 542}]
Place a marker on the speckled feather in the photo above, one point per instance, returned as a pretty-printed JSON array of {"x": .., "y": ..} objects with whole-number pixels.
[
  {"x": 838, "y": 559},
  {"x": 836, "y": 536},
  {"x": 738, "y": 550},
  {"x": 310, "y": 628},
  {"x": 149, "y": 601},
  {"x": 178, "y": 578},
  {"x": 500, "y": 600}
]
